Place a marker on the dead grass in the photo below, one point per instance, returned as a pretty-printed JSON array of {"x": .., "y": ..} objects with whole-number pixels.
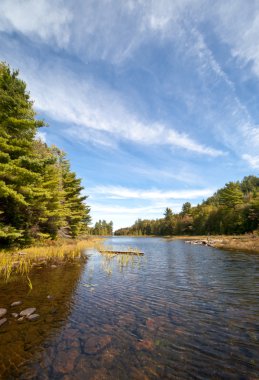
[
  {"x": 247, "y": 242},
  {"x": 241, "y": 243},
  {"x": 20, "y": 262}
]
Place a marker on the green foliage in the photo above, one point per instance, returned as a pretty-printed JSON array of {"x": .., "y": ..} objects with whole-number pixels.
[
  {"x": 102, "y": 228},
  {"x": 39, "y": 195},
  {"x": 231, "y": 210}
]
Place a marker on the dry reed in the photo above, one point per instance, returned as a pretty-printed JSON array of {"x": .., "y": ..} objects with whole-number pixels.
[{"x": 20, "y": 262}]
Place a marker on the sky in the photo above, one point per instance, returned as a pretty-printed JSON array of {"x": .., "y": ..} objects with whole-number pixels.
[{"x": 155, "y": 102}]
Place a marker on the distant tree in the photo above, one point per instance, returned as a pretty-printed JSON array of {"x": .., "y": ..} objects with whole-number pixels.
[
  {"x": 231, "y": 195},
  {"x": 232, "y": 209},
  {"x": 186, "y": 208}
]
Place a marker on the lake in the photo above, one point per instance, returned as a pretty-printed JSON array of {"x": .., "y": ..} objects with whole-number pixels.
[{"x": 179, "y": 312}]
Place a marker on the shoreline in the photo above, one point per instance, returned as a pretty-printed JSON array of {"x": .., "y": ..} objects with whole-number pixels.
[
  {"x": 15, "y": 262},
  {"x": 246, "y": 243}
]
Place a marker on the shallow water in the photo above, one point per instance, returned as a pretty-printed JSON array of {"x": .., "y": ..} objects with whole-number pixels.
[{"x": 181, "y": 311}]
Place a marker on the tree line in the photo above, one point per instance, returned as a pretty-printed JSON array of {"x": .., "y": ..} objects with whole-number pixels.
[
  {"x": 102, "y": 228},
  {"x": 40, "y": 197},
  {"x": 234, "y": 209}
]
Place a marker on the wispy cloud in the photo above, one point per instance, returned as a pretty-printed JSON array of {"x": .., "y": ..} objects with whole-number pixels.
[
  {"x": 99, "y": 113},
  {"x": 253, "y": 161},
  {"x": 242, "y": 35},
  {"x": 124, "y": 216},
  {"x": 119, "y": 192},
  {"x": 47, "y": 20},
  {"x": 119, "y": 210}
]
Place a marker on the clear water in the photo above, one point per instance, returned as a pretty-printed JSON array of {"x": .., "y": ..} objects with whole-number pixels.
[{"x": 179, "y": 312}]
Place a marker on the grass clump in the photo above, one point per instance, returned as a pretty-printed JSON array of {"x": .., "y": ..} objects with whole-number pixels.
[{"x": 20, "y": 262}]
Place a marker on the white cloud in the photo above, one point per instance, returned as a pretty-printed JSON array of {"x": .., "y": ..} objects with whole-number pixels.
[
  {"x": 237, "y": 22},
  {"x": 112, "y": 31},
  {"x": 41, "y": 136},
  {"x": 253, "y": 161},
  {"x": 181, "y": 174},
  {"x": 46, "y": 19},
  {"x": 99, "y": 114},
  {"x": 251, "y": 134},
  {"x": 124, "y": 216},
  {"x": 119, "y": 192},
  {"x": 118, "y": 210}
]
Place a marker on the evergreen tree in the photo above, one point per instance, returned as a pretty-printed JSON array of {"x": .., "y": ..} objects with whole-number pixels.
[{"x": 39, "y": 195}]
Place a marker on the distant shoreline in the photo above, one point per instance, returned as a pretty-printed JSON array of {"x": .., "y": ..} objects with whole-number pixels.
[{"x": 246, "y": 243}]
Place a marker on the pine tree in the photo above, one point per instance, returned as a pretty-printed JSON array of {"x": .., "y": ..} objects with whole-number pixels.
[
  {"x": 18, "y": 176},
  {"x": 39, "y": 196}
]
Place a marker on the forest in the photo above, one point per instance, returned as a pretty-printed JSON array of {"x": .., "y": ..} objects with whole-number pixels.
[
  {"x": 40, "y": 197},
  {"x": 102, "y": 228},
  {"x": 234, "y": 209}
]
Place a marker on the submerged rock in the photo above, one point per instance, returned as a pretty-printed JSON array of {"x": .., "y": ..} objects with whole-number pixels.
[
  {"x": 27, "y": 312},
  {"x": 2, "y": 312},
  {"x": 15, "y": 315},
  {"x": 33, "y": 317},
  {"x": 53, "y": 266},
  {"x": 95, "y": 344},
  {"x": 16, "y": 303},
  {"x": 65, "y": 361},
  {"x": 2, "y": 321},
  {"x": 146, "y": 344}
]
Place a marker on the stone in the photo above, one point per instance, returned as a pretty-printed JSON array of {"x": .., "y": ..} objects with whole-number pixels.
[
  {"x": 16, "y": 303},
  {"x": 138, "y": 374},
  {"x": 2, "y": 321},
  {"x": 109, "y": 356},
  {"x": 33, "y": 317},
  {"x": 27, "y": 312},
  {"x": 20, "y": 319},
  {"x": 2, "y": 312},
  {"x": 146, "y": 344},
  {"x": 71, "y": 333},
  {"x": 126, "y": 319},
  {"x": 95, "y": 344},
  {"x": 15, "y": 315},
  {"x": 151, "y": 325},
  {"x": 53, "y": 266},
  {"x": 65, "y": 361}
]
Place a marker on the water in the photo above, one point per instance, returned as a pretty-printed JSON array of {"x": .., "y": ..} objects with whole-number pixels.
[{"x": 179, "y": 312}]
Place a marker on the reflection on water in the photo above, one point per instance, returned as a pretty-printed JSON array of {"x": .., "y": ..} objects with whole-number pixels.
[
  {"x": 180, "y": 311},
  {"x": 51, "y": 295}
]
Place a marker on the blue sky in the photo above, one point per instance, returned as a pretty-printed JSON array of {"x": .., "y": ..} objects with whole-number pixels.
[{"x": 155, "y": 102}]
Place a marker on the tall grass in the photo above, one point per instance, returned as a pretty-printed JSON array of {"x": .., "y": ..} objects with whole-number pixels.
[{"x": 20, "y": 262}]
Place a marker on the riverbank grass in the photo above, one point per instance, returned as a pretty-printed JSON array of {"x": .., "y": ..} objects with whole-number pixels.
[
  {"x": 246, "y": 243},
  {"x": 20, "y": 262}
]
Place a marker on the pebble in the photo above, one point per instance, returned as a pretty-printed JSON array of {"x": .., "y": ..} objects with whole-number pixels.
[
  {"x": 2, "y": 312},
  {"x": 15, "y": 315},
  {"x": 2, "y": 321},
  {"x": 28, "y": 311},
  {"x": 53, "y": 266},
  {"x": 16, "y": 303},
  {"x": 33, "y": 317},
  {"x": 20, "y": 319}
]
